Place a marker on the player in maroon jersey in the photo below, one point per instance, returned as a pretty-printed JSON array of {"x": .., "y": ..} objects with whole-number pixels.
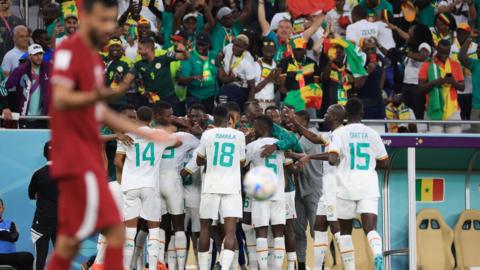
[{"x": 78, "y": 92}]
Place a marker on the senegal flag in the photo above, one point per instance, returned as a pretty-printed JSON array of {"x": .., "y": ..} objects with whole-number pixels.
[{"x": 430, "y": 189}]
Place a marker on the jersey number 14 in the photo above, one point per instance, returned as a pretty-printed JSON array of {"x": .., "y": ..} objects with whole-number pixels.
[{"x": 147, "y": 155}]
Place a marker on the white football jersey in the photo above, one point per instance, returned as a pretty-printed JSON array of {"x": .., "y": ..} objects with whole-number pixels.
[
  {"x": 193, "y": 183},
  {"x": 275, "y": 162},
  {"x": 142, "y": 162},
  {"x": 359, "y": 148},
  {"x": 224, "y": 149},
  {"x": 173, "y": 158}
]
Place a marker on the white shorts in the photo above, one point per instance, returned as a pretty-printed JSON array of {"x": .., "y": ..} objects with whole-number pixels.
[
  {"x": 347, "y": 209},
  {"x": 268, "y": 212},
  {"x": 116, "y": 190},
  {"x": 290, "y": 213},
  {"x": 247, "y": 204},
  {"x": 171, "y": 190},
  {"x": 192, "y": 215},
  {"x": 329, "y": 211},
  {"x": 226, "y": 205},
  {"x": 142, "y": 202}
]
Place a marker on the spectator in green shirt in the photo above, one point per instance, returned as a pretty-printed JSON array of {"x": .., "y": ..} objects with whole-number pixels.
[
  {"x": 474, "y": 66},
  {"x": 199, "y": 74},
  {"x": 116, "y": 66},
  {"x": 228, "y": 27},
  {"x": 155, "y": 74},
  {"x": 376, "y": 6}
]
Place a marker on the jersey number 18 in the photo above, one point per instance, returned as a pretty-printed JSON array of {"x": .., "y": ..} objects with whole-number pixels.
[{"x": 223, "y": 154}]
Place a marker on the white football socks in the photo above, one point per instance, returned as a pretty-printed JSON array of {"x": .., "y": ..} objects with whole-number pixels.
[
  {"x": 138, "y": 259},
  {"x": 319, "y": 249},
  {"x": 234, "y": 265},
  {"x": 227, "y": 258},
  {"x": 375, "y": 243},
  {"x": 101, "y": 247},
  {"x": 291, "y": 260},
  {"x": 171, "y": 254},
  {"x": 153, "y": 247},
  {"x": 203, "y": 260},
  {"x": 181, "y": 248},
  {"x": 161, "y": 248},
  {"x": 279, "y": 252},
  {"x": 251, "y": 246},
  {"x": 347, "y": 251},
  {"x": 129, "y": 246},
  {"x": 262, "y": 253}
]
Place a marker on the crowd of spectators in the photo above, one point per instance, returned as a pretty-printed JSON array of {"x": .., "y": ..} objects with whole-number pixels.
[{"x": 405, "y": 60}]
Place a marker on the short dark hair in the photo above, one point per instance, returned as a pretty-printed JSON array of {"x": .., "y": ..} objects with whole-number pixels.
[
  {"x": 271, "y": 108},
  {"x": 266, "y": 121},
  {"x": 88, "y": 4},
  {"x": 144, "y": 114},
  {"x": 220, "y": 114},
  {"x": 444, "y": 43},
  {"x": 37, "y": 33},
  {"x": 360, "y": 12},
  {"x": 160, "y": 106},
  {"x": 46, "y": 150},
  {"x": 248, "y": 103},
  {"x": 147, "y": 41},
  {"x": 198, "y": 107},
  {"x": 304, "y": 115},
  {"x": 127, "y": 107},
  {"x": 232, "y": 106},
  {"x": 354, "y": 108}
]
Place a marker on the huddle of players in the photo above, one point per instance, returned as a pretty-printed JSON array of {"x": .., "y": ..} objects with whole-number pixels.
[{"x": 201, "y": 177}]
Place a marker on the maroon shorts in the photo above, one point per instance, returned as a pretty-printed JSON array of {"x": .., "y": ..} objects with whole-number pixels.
[{"x": 85, "y": 205}]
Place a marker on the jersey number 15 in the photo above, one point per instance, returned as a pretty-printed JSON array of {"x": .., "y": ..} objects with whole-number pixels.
[{"x": 359, "y": 158}]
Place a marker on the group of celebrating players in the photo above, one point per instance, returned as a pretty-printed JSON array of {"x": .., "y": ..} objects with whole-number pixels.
[{"x": 194, "y": 168}]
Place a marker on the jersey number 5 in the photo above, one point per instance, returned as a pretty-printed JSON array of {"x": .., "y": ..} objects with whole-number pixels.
[
  {"x": 359, "y": 158},
  {"x": 270, "y": 163},
  {"x": 225, "y": 151},
  {"x": 148, "y": 154}
]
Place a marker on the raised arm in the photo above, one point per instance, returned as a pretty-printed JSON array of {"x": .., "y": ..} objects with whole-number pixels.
[
  {"x": 246, "y": 12},
  {"x": 154, "y": 9},
  {"x": 463, "y": 54},
  {"x": 207, "y": 12},
  {"x": 317, "y": 22},
  {"x": 262, "y": 18}
]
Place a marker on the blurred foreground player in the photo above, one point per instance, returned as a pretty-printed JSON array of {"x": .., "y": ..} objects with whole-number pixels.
[{"x": 85, "y": 202}]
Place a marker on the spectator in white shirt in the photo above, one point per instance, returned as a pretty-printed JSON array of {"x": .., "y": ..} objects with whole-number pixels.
[
  {"x": 236, "y": 72},
  {"x": 266, "y": 74},
  {"x": 361, "y": 29},
  {"x": 385, "y": 34},
  {"x": 461, "y": 10},
  {"x": 20, "y": 39},
  {"x": 339, "y": 17}
]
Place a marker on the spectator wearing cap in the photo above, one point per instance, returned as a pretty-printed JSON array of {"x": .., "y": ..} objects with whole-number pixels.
[
  {"x": 474, "y": 66},
  {"x": 155, "y": 75},
  {"x": 281, "y": 29},
  {"x": 116, "y": 67},
  {"x": 40, "y": 37},
  {"x": 444, "y": 28},
  {"x": 7, "y": 23},
  {"x": 266, "y": 75},
  {"x": 71, "y": 26},
  {"x": 228, "y": 26},
  {"x": 465, "y": 97},
  {"x": 44, "y": 191},
  {"x": 441, "y": 79},
  {"x": 199, "y": 74},
  {"x": 374, "y": 7},
  {"x": 235, "y": 71},
  {"x": 11, "y": 59},
  {"x": 8, "y": 236},
  {"x": 361, "y": 29},
  {"x": 30, "y": 80}
]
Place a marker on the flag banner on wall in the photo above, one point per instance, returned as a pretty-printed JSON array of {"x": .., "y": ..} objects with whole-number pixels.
[{"x": 430, "y": 189}]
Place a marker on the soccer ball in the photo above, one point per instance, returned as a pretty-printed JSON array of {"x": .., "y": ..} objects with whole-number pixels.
[{"x": 260, "y": 183}]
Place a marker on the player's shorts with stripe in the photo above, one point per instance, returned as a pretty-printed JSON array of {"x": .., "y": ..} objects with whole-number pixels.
[
  {"x": 142, "y": 202},
  {"x": 171, "y": 190},
  {"x": 268, "y": 212},
  {"x": 291, "y": 213},
  {"x": 85, "y": 204},
  {"x": 192, "y": 215},
  {"x": 227, "y": 205},
  {"x": 348, "y": 209}
]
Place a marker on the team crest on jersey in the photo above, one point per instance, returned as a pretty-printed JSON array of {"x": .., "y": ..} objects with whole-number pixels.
[
  {"x": 158, "y": 65},
  {"x": 120, "y": 69}
]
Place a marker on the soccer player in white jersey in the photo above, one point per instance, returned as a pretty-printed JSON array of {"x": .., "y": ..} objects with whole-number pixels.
[
  {"x": 358, "y": 150},
  {"x": 171, "y": 190},
  {"x": 222, "y": 150},
  {"x": 272, "y": 211},
  {"x": 140, "y": 183}
]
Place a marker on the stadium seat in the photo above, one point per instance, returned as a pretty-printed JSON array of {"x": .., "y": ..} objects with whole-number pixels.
[
  {"x": 434, "y": 241},
  {"x": 467, "y": 239}
]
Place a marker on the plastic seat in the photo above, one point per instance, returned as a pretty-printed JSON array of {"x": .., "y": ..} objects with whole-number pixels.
[
  {"x": 467, "y": 239},
  {"x": 434, "y": 241}
]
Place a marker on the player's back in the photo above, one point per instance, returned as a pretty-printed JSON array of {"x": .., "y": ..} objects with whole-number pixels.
[
  {"x": 224, "y": 149},
  {"x": 76, "y": 139},
  {"x": 274, "y": 161},
  {"x": 142, "y": 163},
  {"x": 359, "y": 148},
  {"x": 173, "y": 158}
]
